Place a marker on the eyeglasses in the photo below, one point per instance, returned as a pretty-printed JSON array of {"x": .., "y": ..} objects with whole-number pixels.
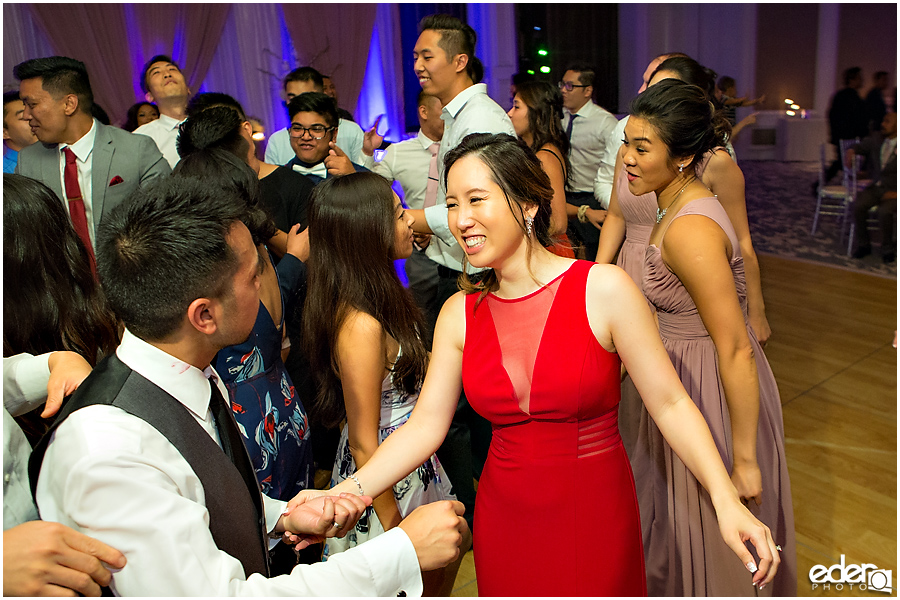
[
  {"x": 569, "y": 86},
  {"x": 317, "y": 132}
]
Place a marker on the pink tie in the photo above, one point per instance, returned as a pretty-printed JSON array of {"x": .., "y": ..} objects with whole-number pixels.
[{"x": 432, "y": 187}]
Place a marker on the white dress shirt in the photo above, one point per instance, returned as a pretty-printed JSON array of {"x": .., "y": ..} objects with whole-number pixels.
[
  {"x": 164, "y": 132},
  {"x": 603, "y": 181},
  {"x": 349, "y": 139},
  {"x": 114, "y": 477},
  {"x": 25, "y": 380},
  {"x": 83, "y": 150},
  {"x": 590, "y": 134},
  {"x": 471, "y": 111},
  {"x": 406, "y": 162}
]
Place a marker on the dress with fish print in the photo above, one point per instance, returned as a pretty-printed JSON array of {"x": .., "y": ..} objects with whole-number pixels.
[{"x": 428, "y": 483}]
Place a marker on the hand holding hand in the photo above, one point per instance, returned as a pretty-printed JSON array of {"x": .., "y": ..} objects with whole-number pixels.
[
  {"x": 325, "y": 516},
  {"x": 436, "y": 531},
  {"x": 337, "y": 162},
  {"x": 371, "y": 140},
  {"x": 41, "y": 558},
  {"x": 67, "y": 371},
  {"x": 737, "y": 525},
  {"x": 298, "y": 242}
]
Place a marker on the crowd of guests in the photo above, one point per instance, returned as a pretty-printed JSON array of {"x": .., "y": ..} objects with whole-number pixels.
[{"x": 223, "y": 326}]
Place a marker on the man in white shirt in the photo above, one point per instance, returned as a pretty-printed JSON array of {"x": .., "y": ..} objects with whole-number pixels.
[
  {"x": 589, "y": 128},
  {"x": 407, "y": 163},
  {"x": 136, "y": 457},
  {"x": 446, "y": 65},
  {"x": 91, "y": 167},
  {"x": 41, "y": 558},
  {"x": 164, "y": 84},
  {"x": 349, "y": 134}
]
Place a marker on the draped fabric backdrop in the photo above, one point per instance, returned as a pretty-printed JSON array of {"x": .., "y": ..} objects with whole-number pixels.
[
  {"x": 383, "y": 86},
  {"x": 334, "y": 39},
  {"x": 189, "y": 33},
  {"x": 72, "y": 30},
  {"x": 22, "y": 39}
]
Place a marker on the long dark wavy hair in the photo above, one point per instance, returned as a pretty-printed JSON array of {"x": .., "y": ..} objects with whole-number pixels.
[
  {"x": 51, "y": 300},
  {"x": 685, "y": 118},
  {"x": 352, "y": 220},
  {"x": 519, "y": 173},
  {"x": 545, "y": 113}
]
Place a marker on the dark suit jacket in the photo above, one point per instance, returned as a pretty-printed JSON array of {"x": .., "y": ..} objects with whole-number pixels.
[
  {"x": 884, "y": 175},
  {"x": 117, "y": 154}
]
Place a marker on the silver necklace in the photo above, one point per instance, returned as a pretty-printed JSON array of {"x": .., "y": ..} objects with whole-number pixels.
[{"x": 661, "y": 213}]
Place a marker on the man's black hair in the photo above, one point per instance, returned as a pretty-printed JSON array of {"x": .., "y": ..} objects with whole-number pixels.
[
  {"x": 60, "y": 75},
  {"x": 305, "y": 74},
  {"x": 316, "y": 102},
  {"x": 201, "y": 102},
  {"x": 216, "y": 127},
  {"x": 162, "y": 249},
  {"x": 158, "y": 58}
]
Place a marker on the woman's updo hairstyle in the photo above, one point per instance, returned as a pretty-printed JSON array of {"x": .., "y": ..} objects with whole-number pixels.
[
  {"x": 686, "y": 121},
  {"x": 690, "y": 71},
  {"x": 518, "y": 172}
]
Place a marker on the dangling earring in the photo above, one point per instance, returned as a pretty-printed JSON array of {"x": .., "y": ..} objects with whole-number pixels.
[
  {"x": 529, "y": 221},
  {"x": 681, "y": 167}
]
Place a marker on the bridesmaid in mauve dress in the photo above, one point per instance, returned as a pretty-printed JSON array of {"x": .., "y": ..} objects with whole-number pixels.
[{"x": 694, "y": 276}]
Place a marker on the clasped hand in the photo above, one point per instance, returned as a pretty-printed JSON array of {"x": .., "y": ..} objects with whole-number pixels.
[
  {"x": 737, "y": 525},
  {"x": 313, "y": 515}
]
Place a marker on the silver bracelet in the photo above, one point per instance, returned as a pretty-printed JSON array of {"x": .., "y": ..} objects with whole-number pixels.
[{"x": 358, "y": 484}]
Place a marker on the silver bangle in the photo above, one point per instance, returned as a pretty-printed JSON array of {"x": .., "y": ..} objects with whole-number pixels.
[{"x": 358, "y": 484}]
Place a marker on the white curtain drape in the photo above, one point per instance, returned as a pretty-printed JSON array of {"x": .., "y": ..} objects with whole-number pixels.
[
  {"x": 382, "y": 90},
  {"x": 22, "y": 40}
]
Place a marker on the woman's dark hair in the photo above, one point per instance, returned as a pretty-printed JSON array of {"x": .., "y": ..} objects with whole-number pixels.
[
  {"x": 351, "y": 268},
  {"x": 684, "y": 117},
  {"x": 221, "y": 168},
  {"x": 518, "y": 172},
  {"x": 51, "y": 300},
  {"x": 131, "y": 119},
  {"x": 690, "y": 71},
  {"x": 545, "y": 114}
]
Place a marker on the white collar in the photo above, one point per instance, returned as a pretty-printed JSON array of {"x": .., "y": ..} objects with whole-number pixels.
[
  {"x": 454, "y": 106},
  {"x": 83, "y": 147},
  {"x": 168, "y": 122},
  {"x": 186, "y": 383},
  {"x": 425, "y": 140},
  {"x": 585, "y": 111}
]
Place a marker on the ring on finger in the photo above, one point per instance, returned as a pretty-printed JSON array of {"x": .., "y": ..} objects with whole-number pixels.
[{"x": 337, "y": 525}]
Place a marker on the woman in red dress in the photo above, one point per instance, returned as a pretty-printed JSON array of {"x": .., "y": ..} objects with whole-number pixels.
[{"x": 537, "y": 344}]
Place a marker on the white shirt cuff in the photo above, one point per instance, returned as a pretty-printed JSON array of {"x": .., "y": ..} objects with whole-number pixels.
[{"x": 436, "y": 217}]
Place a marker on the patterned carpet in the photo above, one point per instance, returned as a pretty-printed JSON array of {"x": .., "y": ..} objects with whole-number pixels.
[{"x": 780, "y": 209}]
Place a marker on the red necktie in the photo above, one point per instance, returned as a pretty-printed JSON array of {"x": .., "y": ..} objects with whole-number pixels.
[
  {"x": 76, "y": 205},
  {"x": 431, "y": 188}
]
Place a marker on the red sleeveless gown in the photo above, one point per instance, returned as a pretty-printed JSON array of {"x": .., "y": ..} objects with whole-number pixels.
[{"x": 556, "y": 512}]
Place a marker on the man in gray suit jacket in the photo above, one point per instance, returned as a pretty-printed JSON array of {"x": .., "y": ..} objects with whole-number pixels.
[
  {"x": 92, "y": 167},
  {"x": 880, "y": 150}
]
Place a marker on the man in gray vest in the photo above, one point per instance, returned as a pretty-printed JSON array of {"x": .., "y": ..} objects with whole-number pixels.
[{"x": 146, "y": 455}]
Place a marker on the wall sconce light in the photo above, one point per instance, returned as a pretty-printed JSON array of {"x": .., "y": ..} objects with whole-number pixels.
[
  {"x": 788, "y": 101},
  {"x": 790, "y": 113}
]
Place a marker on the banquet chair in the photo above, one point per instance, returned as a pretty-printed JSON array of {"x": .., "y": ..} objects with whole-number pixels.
[
  {"x": 834, "y": 200},
  {"x": 872, "y": 218}
]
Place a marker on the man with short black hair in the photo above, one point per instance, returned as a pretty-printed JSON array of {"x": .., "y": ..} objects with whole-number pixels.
[
  {"x": 92, "y": 167},
  {"x": 329, "y": 89},
  {"x": 314, "y": 128},
  {"x": 349, "y": 138},
  {"x": 17, "y": 132},
  {"x": 146, "y": 454},
  {"x": 164, "y": 84},
  {"x": 589, "y": 128}
]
